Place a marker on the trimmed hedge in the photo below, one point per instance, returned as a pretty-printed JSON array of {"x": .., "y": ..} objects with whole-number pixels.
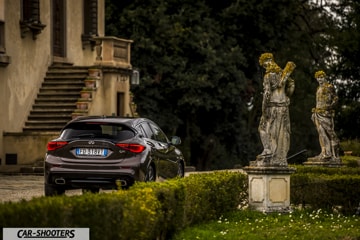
[
  {"x": 352, "y": 145},
  {"x": 326, "y": 188},
  {"x": 326, "y": 170},
  {"x": 158, "y": 210},
  {"x": 109, "y": 216},
  {"x": 145, "y": 211}
]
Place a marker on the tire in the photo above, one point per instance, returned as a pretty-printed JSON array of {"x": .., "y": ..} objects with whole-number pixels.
[
  {"x": 51, "y": 190},
  {"x": 150, "y": 174},
  {"x": 180, "y": 171}
]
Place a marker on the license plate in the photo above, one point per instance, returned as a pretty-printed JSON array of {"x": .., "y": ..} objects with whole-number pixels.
[{"x": 91, "y": 152}]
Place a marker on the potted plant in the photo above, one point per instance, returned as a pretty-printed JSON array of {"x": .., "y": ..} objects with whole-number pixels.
[
  {"x": 90, "y": 83},
  {"x": 94, "y": 72},
  {"x": 86, "y": 93},
  {"x": 81, "y": 105}
]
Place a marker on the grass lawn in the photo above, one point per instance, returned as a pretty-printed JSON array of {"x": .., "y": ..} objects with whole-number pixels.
[{"x": 300, "y": 224}]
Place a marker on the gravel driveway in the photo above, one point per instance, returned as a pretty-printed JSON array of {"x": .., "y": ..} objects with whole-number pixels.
[{"x": 17, "y": 187}]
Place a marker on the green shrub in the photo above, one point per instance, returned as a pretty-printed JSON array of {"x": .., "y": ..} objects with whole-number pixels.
[
  {"x": 351, "y": 145},
  {"x": 326, "y": 188},
  {"x": 326, "y": 170},
  {"x": 158, "y": 210},
  {"x": 171, "y": 197},
  {"x": 351, "y": 161},
  {"x": 197, "y": 198},
  {"x": 209, "y": 195},
  {"x": 119, "y": 215},
  {"x": 145, "y": 211}
]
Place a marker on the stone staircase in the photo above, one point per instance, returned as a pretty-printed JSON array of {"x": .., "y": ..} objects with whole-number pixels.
[{"x": 56, "y": 99}]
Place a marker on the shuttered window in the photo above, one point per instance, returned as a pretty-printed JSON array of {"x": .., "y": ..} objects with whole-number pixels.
[
  {"x": 31, "y": 11},
  {"x": 90, "y": 17},
  {"x": 30, "y": 18},
  {"x": 2, "y": 37},
  {"x": 90, "y": 23}
]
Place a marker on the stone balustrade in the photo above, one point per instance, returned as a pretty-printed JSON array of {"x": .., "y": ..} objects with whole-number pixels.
[{"x": 113, "y": 51}]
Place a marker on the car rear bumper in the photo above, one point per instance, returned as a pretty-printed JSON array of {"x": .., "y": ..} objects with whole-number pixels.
[
  {"x": 83, "y": 174},
  {"x": 73, "y": 180}
]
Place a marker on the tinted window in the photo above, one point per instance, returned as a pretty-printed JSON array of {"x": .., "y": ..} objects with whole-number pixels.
[
  {"x": 141, "y": 130},
  {"x": 146, "y": 128},
  {"x": 97, "y": 130},
  {"x": 159, "y": 134}
]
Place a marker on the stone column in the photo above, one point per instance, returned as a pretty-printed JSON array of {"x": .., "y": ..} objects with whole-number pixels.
[{"x": 269, "y": 188}]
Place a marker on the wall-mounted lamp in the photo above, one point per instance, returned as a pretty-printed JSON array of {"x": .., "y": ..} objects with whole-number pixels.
[{"x": 135, "y": 77}]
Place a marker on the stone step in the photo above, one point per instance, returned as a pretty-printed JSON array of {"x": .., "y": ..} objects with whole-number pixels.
[
  {"x": 63, "y": 84},
  {"x": 51, "y": 122},
  {"x": 52, "y": 111},
  {"x": 66, "y": 76},
  {"x": 37, "y": 117},
  {"x": 72, "y": 69},
  {"x": 58, "y": 94},
  {"x": 56, "y": 100},
  {"x": 55, "y": 104},
  {"x": 43, "y": 128},
  {"x": 67, "y": 71},
  {"x": 39, "y": 106},
  {"x": 62, "y": 88},
  {"x": 64, "y": 81},
  {"x": 32, "y": 170}
]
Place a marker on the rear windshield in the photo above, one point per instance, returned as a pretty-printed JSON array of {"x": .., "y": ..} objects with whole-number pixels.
[{"x": 97, "y": 130}]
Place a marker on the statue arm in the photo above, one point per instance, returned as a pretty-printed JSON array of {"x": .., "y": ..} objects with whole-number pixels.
[
  {"x": 289, "y": 68},
  {"x": 290, "y": 87},
  {"x": 334, "y": 97}
]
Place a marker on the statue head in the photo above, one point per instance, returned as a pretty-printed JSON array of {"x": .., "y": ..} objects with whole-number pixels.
[
  {"x": 320, "y": 74},
  {"x": 265, "y": 57}
]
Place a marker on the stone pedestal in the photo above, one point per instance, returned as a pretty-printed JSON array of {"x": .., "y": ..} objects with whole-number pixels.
[
  {"x": 269, "y": 188},
  {"x": 317, "y": 162}
]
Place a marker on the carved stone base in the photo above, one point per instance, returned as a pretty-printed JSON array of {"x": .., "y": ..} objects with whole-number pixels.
[
  {"x": 318, "y": 162},
  {"x": 268, "y": 161},
  {"x": 269, "y": 188}
]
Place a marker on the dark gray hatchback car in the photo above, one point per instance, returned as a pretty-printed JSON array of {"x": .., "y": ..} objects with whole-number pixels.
[{"x": 99, "y": 152}]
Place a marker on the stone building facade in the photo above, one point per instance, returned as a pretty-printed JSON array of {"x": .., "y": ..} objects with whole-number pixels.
[{"x": 45, "y": 47}]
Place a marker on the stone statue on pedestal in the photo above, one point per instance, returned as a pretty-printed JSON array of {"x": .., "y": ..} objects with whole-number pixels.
[
  {"x": 274, "y": 127},
  {"x": 269, "y": 174},
  {"x": 323, "y": 118}
]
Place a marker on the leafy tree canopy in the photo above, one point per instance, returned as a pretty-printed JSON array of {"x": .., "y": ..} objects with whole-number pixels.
[{"x": 200, "y": 77}]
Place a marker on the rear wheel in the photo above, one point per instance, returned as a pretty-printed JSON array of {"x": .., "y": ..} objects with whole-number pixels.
[
  {"x": 150, "y": 174},
  {"x": 51, "y": 190}
]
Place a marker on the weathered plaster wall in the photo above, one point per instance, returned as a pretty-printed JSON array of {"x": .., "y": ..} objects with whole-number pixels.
[
  {"x": 106, "y": 94},
  {"x": 74, "y": 29},
  {"x": 29, "y": 60}
]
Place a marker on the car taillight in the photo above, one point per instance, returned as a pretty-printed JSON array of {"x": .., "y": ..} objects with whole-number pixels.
[
  {"x": 131, "y": 147},
  {"x": 53, "y": 145}
]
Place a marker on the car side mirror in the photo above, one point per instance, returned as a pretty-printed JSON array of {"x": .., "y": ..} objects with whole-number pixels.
[{"x": 175, "y": 140}]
